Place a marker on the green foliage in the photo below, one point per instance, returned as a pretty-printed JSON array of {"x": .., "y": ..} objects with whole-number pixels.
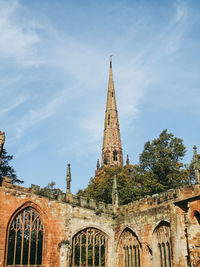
[
  {"x": 49, "y": 191},
  {"x": 159, "y": 169},
  {"x": 160, "y": 160},
  {"x": 6, "y": 169}
]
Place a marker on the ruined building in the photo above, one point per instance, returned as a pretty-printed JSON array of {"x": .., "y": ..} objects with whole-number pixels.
[{"x": 162, "y": 230}]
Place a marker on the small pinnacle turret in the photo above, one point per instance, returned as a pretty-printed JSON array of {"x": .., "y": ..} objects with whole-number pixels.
[
  {"x": 127, "y": 160},
  {"x": 196, "y": 164},
  {"x": 2, "y": 140},
  {"x": 98, "y": 165},
  {"x": 112, "y": 154},
  {"x": 68, "y": 179}
]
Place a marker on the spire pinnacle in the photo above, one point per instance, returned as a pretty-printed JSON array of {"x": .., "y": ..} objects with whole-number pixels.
[
  {"x": 127, "y": 160},
  {"x": 2, "y": 140},
  {"x": 112, "y": 154},
  {"x": 68, "y": 179}
]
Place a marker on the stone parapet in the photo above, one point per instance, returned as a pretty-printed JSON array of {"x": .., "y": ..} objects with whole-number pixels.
[
  {"x": 172, "y": 195},
  {"x": 60, "y": 197}
]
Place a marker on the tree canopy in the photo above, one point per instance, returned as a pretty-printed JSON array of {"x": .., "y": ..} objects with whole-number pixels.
[
  {"x": 6, "y": 169},
  {"x": 159, "y": 169}
]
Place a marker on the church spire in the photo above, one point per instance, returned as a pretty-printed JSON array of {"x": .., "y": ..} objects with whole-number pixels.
[{"x": 112, "y": 154}]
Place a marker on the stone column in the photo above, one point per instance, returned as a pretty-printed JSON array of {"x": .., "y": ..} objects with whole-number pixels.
[{"x": 65, "y": 255}]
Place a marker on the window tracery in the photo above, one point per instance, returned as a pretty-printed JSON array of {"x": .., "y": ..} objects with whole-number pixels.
[
  {"x": 25, "y": 239},
  {"x": 129, "y": 250},
  {"x": 115, "y": 155},
  {"x": 164, "y": 251},
  {"x": 90, "y": 248}
]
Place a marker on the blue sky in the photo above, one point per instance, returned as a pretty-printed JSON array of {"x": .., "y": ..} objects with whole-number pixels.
[{"x": 54, "y": 64}]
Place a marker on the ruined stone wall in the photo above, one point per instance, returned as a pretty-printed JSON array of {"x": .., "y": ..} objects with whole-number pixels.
[
  {"x": 61, "y": 221},
  {"x": 174, "y": 207},
  {"x": 176, "y": 210}
]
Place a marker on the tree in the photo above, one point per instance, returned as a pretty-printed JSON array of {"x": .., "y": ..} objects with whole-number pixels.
[
  {"x": 49, "y": 191},
  {"x": 160, "y": 168},
  {"x": 6, "y": 169},
  {"x": 128, "y": 183},
  {"x": 161, "y": 159}
]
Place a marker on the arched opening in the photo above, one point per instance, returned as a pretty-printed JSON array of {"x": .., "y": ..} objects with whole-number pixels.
[
  {"x": 90, "y": 248},
  {"x": 163, "y": 252},
  {"x": 197, "y": 216},
  {"x": 25, "y": 239},
  {"x": 129, "y": 250},
  {"x": 114, "y": 155}
]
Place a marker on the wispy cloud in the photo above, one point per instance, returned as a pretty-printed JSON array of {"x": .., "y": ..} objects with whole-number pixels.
[
  {"x": 35, "y": 116},
  {"x": 17, "y": 41},
  {"x": 16, "y": 103}
]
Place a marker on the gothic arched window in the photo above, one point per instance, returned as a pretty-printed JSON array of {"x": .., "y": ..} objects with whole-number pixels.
[
  {"x": 115, "y": 155},
  {"x": 129, "y": 250},
  {"x": 25, "y": 239},
  {"x": 90, "y": 248},
  {"x": 163, "y": 254}
]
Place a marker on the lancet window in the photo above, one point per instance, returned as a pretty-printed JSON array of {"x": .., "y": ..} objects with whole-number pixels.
[
  {"x": 90, "y": 248},
  {"x": 25, "y": 239},
  {"x": 164, "y": 251},
  {"x": 115, "y": 155},
  {"x": 129, "y": 250}
]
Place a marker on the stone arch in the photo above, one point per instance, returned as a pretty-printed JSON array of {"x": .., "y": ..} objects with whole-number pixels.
[
  {"x": 90, "y": 248},
  {"x": 28, "y": 222},
  {"x": 129, "y": 249},
  {"x": 162, "y": 251}
]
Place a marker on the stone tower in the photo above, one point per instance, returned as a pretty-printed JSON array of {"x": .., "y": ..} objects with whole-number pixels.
[{"x": 112, "y": 154}]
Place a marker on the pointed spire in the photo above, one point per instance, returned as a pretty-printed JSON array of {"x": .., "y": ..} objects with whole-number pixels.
[
  {"x": 68, "y": 179},
  {"x": 112, "y": 154},
  {"x": 127, "y": 160},
  {"x": 115, "y": 194}
]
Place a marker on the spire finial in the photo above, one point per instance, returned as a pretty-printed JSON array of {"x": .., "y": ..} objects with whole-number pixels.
[{"x": 111, "y": 61}]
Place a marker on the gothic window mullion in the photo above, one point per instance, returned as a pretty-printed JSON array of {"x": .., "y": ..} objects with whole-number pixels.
[
  {"x": 15, "y": 246},
  {"x": 87, "y": 248},
  {"x": 161, "y": 258},
  {"x": 30, "y": 237},
  {"x": 131, "y": 256},
  {"x": 36, "y": 249},
  {"x": 93, "y": 249},
  {"x": 99, "y": 251},
  {"x": 22, "y": 241},
  {"x": 80, "y": 250}
]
